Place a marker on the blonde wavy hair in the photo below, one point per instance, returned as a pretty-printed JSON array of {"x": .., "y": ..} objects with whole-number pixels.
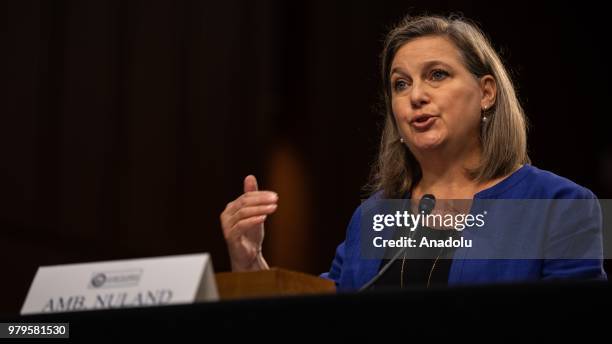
[{"x": 504, "y": 135}]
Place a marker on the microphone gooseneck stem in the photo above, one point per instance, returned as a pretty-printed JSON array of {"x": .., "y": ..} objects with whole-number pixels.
[{"x": 426, "y": 205}]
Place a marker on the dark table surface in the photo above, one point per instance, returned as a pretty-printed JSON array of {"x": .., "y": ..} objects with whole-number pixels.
[{"x": 520, "y": 311}]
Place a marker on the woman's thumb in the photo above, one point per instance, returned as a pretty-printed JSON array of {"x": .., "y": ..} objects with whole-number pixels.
[{"x": 250, "y": 183}]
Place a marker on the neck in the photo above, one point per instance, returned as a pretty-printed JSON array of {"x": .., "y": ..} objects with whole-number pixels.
[{"x": 445, "y": 173}]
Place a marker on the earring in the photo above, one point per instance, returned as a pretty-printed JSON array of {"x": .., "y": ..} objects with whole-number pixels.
[
  {"x": 401, "y": 139},
  {"x": 484, "y": 117}
]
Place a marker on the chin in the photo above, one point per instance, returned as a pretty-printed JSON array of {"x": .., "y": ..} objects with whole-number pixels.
[
  {"x": 427, "y": 146},
  {"x": 427, "y": 142}
]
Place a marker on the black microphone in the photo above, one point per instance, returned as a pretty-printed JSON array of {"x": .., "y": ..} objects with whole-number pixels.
[{"x": 426, "y": 205}]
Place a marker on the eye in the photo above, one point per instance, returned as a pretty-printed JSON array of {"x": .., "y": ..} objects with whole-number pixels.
[
  {"x": 438, "y": 74},
  {"x": 400, "y": 85}
]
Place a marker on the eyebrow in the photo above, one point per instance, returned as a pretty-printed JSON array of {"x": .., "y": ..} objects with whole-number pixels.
[{"x": 425, "y": 65}]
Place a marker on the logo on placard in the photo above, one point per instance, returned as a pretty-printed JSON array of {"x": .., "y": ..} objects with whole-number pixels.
[
  {"x": 115, "y": 279},
  {"x": 98, "y": 280}
]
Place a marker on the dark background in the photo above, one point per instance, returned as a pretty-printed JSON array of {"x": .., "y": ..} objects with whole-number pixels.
[{"x": 128, "y": 125}]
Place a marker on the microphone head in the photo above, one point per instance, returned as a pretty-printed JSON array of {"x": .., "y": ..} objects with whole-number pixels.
[{"x": 427, "y": 203}]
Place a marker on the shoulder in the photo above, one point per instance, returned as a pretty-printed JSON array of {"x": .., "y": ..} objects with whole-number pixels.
[
  {"x": 373, "y": 203},
  {"x": 367, "y": 203},
  {"x": 538, "y": 183}
]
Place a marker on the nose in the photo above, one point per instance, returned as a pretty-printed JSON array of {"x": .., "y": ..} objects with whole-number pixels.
[{"x": 419, "y": 95}]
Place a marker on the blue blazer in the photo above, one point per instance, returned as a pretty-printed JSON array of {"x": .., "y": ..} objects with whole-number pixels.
[{"x": 350, "y": 270}]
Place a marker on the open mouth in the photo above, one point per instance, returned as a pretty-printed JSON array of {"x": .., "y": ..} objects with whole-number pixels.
[{"x": 423, "y": 122}]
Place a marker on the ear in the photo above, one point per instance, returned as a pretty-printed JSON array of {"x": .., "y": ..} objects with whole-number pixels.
[{"x": 488, "y": 87}]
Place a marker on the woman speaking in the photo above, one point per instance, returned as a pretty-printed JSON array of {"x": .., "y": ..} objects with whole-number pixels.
[{"x": 453, "y": 128}]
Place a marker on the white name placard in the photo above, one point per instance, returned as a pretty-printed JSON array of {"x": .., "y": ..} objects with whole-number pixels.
[{"x": 122, "y": 283}]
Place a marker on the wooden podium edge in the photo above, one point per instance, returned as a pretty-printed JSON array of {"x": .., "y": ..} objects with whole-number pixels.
[{"x": 268, "y": 283}]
